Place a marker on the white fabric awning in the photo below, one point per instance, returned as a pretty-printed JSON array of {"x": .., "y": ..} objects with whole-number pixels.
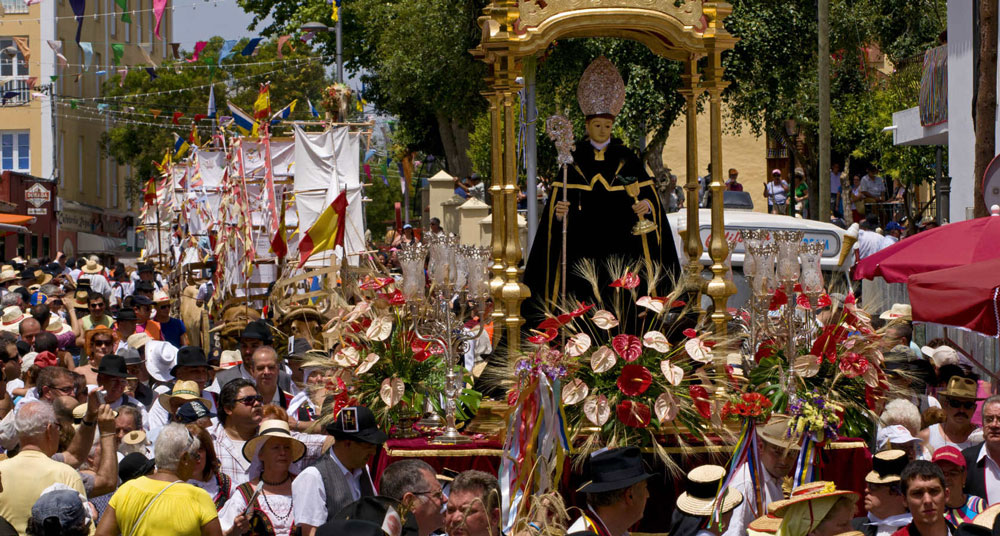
[{"x": 91, "y": 243}]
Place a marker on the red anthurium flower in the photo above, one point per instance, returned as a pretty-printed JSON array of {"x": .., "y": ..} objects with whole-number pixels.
[
  {"x": 850, "y": 299},
  {"x": 765, "y": 350},
  {"x": 824, "y": 301},
  {"x": 825, "y": 345},
  {"x": 700, "y": 398},
  {"x": 544, "y": 337},
  {"x": 627, "y": 281},
  {"x": 797, "y": 287},
  {"x": 394, "y": 298},
  {"x": 778, "y": 300},
  {"x": 634, "y": 414},
  {"x": 690, "y": 333},
  {"x": 853, "y": 365},
  {"x": 361, "y": 325},
  {"x": 870, "y": 398},
  {"x": 579, "y": 311},
  {"x": 554, "y": 322},
  {"x": 628, "y": 347},
  {"x": 677, "y": 303},
  {"x": 375, "y": 283},
  {"x": 634, "y": 380}
]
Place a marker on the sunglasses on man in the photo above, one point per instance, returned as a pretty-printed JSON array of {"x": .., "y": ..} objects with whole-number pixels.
[{"x": 961, "y": 404}]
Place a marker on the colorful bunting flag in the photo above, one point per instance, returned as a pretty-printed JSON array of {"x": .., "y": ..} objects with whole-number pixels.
[
  {"x": 158, "y": 7},
  {"x": 22, "y": 46},
  {"x": 328, "y": 231},
  {"x": 117, "y": 51},
  {"x": 177, "y": 115},
  {"x": 126, "y": 17},
  {"x": 281, "y": 43},
  {"x": 152, "y": 73},
  {"x": 150, "y": 194},
  {"x": 79, "y": 7},
  {"x": 211, "y": 103},
  {"x": 88, "y": 52},
  {"x": 198, "y": 47},
  {"x": 285, "y": 112},
  {"x": 181, "y": 146},
  {"x": 176, "y": 48},
  {"x": 243, "y": 122},
  {"x": 312, "y": 109},
  {"x": 227, "y": 49},
  {"x": 279, "y": 245},
  {"x": 250, "y": 47},
  {"x": 156, "y": 113}
]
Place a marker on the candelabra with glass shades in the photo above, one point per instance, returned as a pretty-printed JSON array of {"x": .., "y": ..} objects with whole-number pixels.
[{"x": 459, "y": 289}]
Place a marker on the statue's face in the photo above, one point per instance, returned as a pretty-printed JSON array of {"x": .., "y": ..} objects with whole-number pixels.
[{"x": 599, "y": 129}]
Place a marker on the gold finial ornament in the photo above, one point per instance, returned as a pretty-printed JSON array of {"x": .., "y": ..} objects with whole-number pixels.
[{"x": 602, "y": 90}]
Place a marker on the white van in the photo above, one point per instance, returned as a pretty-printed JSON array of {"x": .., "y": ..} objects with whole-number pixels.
[{"x": 828, "y": 234}]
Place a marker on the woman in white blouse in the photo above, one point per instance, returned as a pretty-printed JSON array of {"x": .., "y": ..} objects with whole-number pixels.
[{"x": 269, "y": 491}]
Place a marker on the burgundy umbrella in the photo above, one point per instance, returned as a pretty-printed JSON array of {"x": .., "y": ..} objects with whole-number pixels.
[
  {"x": 948, "y": 246},
  {"x": 965, "y": 297}
]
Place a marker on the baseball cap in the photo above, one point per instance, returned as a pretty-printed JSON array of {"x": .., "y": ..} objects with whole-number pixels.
[
  {"x": 896, "y": 434},
  {"x": 949, "y": 453},
  {"x": 65, "y": 505},
  {"x": 893, "y": 226},
  {"x": 192, "y": 411}
]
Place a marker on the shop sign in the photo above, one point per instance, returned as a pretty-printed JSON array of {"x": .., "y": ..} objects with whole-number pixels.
[{"x": 37, "y": 195}]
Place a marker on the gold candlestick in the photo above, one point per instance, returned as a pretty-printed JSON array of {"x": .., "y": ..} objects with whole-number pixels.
[{"x": 643, "y": 226}]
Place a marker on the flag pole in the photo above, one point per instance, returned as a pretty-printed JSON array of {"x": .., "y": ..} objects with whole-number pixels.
[{"x": 159, "y": 231}]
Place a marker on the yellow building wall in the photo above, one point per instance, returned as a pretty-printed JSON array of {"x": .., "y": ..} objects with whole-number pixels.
[
  {"x": 26, "y": 117},
  {"x": 743, "y": 151}
]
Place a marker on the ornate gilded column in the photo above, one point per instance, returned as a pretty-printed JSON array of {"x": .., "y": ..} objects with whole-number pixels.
[
  {"x": 513, "y": 292},
  {"x": 495, "y": 96},
  {"x": 692, "y": 236},
  {"x": 721, "y": 287}
]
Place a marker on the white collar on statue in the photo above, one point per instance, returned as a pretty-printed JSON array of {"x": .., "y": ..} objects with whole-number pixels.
[{"x": 601, "y": 146}]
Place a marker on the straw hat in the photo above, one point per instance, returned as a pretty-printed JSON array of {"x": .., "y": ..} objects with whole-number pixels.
[
  {"x": 184, "y": 390},
  {"x": 135, "y": 437},
  {"x": 138, "y": 340},
  {"x": 820, "y": 489},
  {"x": 887, "y": 466},
  {"x": 942, "y": 355},
  {"x": 898, "y": 311},
  {"x": 80, "y": 412},
  {"x": 269, "y": 429},
  {"x": 960, "y": 388},
  {"x": 700, "y": 491},
  {"x": 987, "y": 518},
  {"x": 776, "y": 432},
  {"x": 767, "y": 524},
  {"x": 7, "y": 275},
  {"x": 79, "y": 300},
  {"x": 92, "y": 267},
  {"x": 229, "y": 359},
  {"x": 161, "y": 297},
  {"x": 39, "y": 277},
  {"x": 57, "y": 327},
  {"x": 11, "y": 319}
]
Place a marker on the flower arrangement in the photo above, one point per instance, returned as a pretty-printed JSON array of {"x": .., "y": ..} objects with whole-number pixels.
[
  {"x": 814, "y": 416},
  {"x": 753, "y": 406},
  {"x": 620, "y": 388},
  {"x": 336, "y": 101}
]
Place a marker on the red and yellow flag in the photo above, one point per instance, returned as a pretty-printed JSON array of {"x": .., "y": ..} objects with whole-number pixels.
[
  {"x": 150, "y": 196},
  {"x": 328, "y": 231}
]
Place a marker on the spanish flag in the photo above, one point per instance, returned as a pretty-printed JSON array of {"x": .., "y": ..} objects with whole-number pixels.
[
  {"x": 328, "y": 231},
  {"x": 150, "y": 196}
]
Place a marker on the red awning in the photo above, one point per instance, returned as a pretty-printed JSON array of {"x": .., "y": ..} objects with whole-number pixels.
[{"x": 966, "y": 297}]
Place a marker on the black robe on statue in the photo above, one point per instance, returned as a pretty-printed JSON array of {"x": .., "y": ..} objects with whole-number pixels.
[{"x": 600, "y": 227}]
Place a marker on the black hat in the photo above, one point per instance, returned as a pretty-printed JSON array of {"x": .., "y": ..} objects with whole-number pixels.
[
  {"x": 258, "y": 329},
  {"x": 145, "y": 267},
  {"x": 189, "y": 356},
  {"x": 133, "y": 466},
  {"x": 143, "y": 286},
  {"x": 356, "y": 423},
  {"x": 192, "y": 411},
  {"x": 139, "y": 299},
  {"x": 349, "y": 527},
  {"x": 373, "y": 510},
  {"x": 614, "y": 469},
  {"x": 127, "y": 314},
  {"x": 299, "y": 348},
  {"x": 52, "y": 268},
  {"x": 113, "y": 365}
]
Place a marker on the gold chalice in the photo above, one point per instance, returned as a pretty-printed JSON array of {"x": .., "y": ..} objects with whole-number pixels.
[{"x": 642, "y": 226}]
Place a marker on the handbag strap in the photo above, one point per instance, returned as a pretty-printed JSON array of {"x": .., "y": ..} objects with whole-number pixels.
[{"x": 138, "y": 520}]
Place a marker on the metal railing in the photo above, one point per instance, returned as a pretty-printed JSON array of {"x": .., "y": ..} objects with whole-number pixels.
[{"x": 16, "y": 92}]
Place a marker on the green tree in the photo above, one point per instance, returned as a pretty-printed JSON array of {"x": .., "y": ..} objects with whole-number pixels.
[{"x": 141, "y": 145}]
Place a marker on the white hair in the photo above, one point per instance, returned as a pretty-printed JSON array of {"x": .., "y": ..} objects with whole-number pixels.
[
  {"x": 174, "y": 442},
  {"x": 10, "y": 298},
  {"x": 902, "y": 412},
  {"x": 33, "y": 418}
]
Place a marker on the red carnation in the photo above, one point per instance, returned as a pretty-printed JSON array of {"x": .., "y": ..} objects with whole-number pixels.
[
  {"x": 628, "y": 347},
  {"x": 634, "y": 380},
  {"x": 700, "y": 398},
  {"x": 634, "y": 414}
]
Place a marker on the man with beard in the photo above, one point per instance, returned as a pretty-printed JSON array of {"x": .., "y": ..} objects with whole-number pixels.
[
  {"x": 99, "y": 342},
  {"x": 958, "y": 400},
  {"x": 983, "y": 473},
  {"x": 926, "y": 494}
]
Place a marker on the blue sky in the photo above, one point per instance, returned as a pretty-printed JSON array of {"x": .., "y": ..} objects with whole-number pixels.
[{"x": 207, "y": 19}]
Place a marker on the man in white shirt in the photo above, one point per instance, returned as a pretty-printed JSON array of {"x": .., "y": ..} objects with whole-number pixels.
[
  {"x": 869, "y": 242},
  {"x": 610, "y": 511},
  {"x": 342, "y": 477},
  {"x": 872, "y": 186},
  {"x": 884, "y": 499},
  {"x": 778, "y": 454},
  {"x": 983, "y": 474}
]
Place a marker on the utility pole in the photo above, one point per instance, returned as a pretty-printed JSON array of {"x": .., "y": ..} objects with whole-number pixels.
[
  {"x": 986, "y": 103},
  {"x": 824, "y": 113}
]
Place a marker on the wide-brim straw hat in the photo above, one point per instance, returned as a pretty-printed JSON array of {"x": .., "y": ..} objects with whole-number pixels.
[
  {"x": 268, "y": 429},
  {"x": 777, "y": 432},
  {"x": 961, "y": 388},
  {"x": 138, "y": 340},
  {"x": 887, "y": 466},
  {"x": 57, "y": 327},
  {"x": 809, "y": 492},
  {"x": 988, "y": 517},
  {"x": 92, "y": 267},
  {"x": 701, "y": 488},
  {"x": 229, "y": 359},
  {"x": 184, "y": 390},
  {"x": 898, "y": 311},
  {"x": 7, "y": 275},
  {"x": 767, "y": 524},
  {"x": 161, "y": 297},
  {"x": 11, "y": 319},
  {"x": 79, "y": 300}
]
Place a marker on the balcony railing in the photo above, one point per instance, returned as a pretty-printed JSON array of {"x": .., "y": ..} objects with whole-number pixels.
[
  {"x": 14, "y": 6},
  {"x": 16, "y": 92}
]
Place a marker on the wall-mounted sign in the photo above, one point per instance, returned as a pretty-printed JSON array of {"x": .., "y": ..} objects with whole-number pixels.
[
  {"x": 37, "y": 195},
  {"x": 37, "y": 211}
]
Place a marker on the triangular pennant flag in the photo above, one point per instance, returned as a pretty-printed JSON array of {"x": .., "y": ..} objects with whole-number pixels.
[
  {"x": 281, "y": 43},
  {"x": 122, "y": 73},
  {"x": 126, "y": 18},
  {"x": 53, "y": 78},
  {"x": 88, "y": 53},
  {"x": 312, "y": 109},
  {"x": 156, "y": 113},
  {"x": 22, "y": 45},
  {"x": 211, "y": 103},
  {"x": 79, "y": 6},
  {"x": 117, "y": 51},
  {"x": 198, "y": 47},
  {"x": 176, "y": 49},
  {"x": 152, "y": 73},
  {"x": 158, "y": 7},
  {"x": 227, "y": 49},
  {"x": 177, "y": 115},
  {"x": 250, "y": 47},
  {"x": 73, "y": 102},
  {"x": 145, "y": 49}
]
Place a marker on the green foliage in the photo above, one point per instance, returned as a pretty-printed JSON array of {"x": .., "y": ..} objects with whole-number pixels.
[{"x": 141, "y": 145}]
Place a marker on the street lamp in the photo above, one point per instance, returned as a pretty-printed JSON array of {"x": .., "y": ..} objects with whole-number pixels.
[{"x": 317, "y": 27}]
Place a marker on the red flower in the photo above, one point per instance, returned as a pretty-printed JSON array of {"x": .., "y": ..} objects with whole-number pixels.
[
  {"x": 634, "y": 380},
  {"x": 803, "y": 301},
  {"x": 825, "y": 346},
  {"x": 554, "y": 322},
  {"x": 853, "y": 365},
  {"x": 797, "y": 287},
  {"x": 512, "y": 397},
  {"x": 579, "y": 311},
  {"x": 700, "y": 398},
  {"x": 765, "y": 350},
  {"x": 634, "y": 414},
  {"x": 361, "y": 325},
  {"x": 690, "y": 333},
  {"x": 422, "y": 350},
  {"x": 375, "y": 283},
  {"x": 728, "y": 410},
  {"x": 677, "y": 303},
  {"x": 627, "y": 281},
  {"x": 543, "y": 338},
  {"x": 824, "y": 301},
  {"x": 628, "y": 347},
  {"x": 778, "y": 300},
  {"x": 395, "y": 298}
]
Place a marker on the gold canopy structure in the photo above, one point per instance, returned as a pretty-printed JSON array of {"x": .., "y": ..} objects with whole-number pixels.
[{"x": 682, "y": 30}]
